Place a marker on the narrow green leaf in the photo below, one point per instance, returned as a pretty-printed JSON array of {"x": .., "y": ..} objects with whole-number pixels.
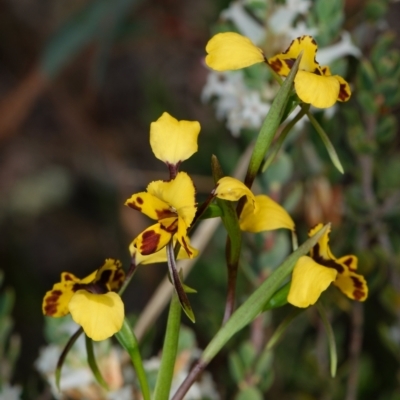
[
  {"x": 270, "y": 125},
  {"x": 63, "y": 355},
  {"x": 128, "y": 341},
  {"x": 281, "y": 329},
  {"x": 331, "y": 338},
  {"x": 70, "y": 39},
  {"x": 93, "y": 364},
  {"x": 255, "y": 303},
  {"x": 170, "y": 348},
  {"x": 328, "y": 145}
]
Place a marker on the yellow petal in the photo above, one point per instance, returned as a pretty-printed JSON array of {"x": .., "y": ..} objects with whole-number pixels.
[
  {"x": 184, "y": 240},
  {"x": 111, "y": 274},
  {"x": 100, "y": 315},
  {"x": 179, "y": 194},
  {"x": 266, "y": 216},
  {"x": 152, "y": 239},
  {"x": 159, "y": 256},
  {"x": 150, "y": 205},
  {"x": 173, "y": 141},
  {"x": 55, "y": 301},
  {"x": 318, "y": 90},
  {"x": 344, "y": 91},
  {"x": 352, "y": 285},
  {"x": 232, "y": 189},
  {"x": 283, "y": 62},
  {"x": 350, "y": 261},
  {"x": 309, "y": 280},
  {"x": 322, "y": 253},
  {"x": 229, "y": 51}
]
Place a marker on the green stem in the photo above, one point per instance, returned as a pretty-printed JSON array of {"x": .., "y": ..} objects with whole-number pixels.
[
  {"x": 165, "y": 375},
  {"x": 331, "y": 338}
]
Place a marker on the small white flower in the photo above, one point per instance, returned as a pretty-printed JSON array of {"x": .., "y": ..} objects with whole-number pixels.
[
  {"x": 245, "y": 24},
  {"x": 338, "y": 50}
]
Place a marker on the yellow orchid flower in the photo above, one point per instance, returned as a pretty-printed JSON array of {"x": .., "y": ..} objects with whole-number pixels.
[
  {"x": 314, "y": 84},
  {"x": 260, "y": 213},
  {"x": 312, "y": 275},
  {"x": 173, "y": 141},
  {"x": 91, "y": 301},
  {"x": 172, "y": 204},
  {"x": 230, "y": 51}
]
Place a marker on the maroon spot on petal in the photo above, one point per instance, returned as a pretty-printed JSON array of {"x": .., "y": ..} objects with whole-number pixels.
[
  {"x": 276, "y": 65},
  {"x": 358, "y": 294},
  {"x": 104, "y": 276},
  {"x": 50, "y": 307},
  {"x": 324, "y": 70},
  {"x": 316, "y": 255},
  {"x": 343, "y": 93},
  {"x": 357, "y": 282},
  {"x": 317, "y": 71},
  {"x": 139, "y": 200},
  {"x": 161, "y": 214},
  {"x": 348, "y": 261},
  {"x": 290, "y": 61},
  {"x": 150, "y": 240},
  {"x": 171, "y": 228},
  {"x": 313, "y": 41},
  {"x": 67, "y": 277},
  {"x": 290, "y": 45}
]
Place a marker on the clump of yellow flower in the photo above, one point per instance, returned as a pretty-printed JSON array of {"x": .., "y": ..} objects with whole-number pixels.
[
  {"x": 314, "y": 84},
  {"x": 91, "y": 301},
  {"x": 312, "y": 275}
]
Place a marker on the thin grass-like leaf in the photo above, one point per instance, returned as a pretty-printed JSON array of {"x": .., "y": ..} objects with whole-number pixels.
[
  {"x": 331, "y": 338},
  {"x": 93, "y": 364},
  {"x": 328, "y": 144},
  {"x": 63, "y": 355},
  {"x": 128, "y": 341}
]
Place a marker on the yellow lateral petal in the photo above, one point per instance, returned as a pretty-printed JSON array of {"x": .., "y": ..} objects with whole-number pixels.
[
  {"x": 266, "y": 216},
  {"x": 184, "y": 240},
  {"x": 111, "y": 274},
  {"x": 352, "y": 285},
  {"x": 318, "y": 90},
  {"x": 229, "y": 51},
  {"x": 152, "y": 240},
  {"x": 309, "y": 280},
  {"x": 344, "y": 91},
  {"x": 173, "y": 141},
  {"x": 232, "y": 189},
  {"x": 283, "y": 62},
  {"x": 159, "y": 256},
  {"x": 149, "y": 205},
  {"x": 55, "y": 301},
  {"x": 178, "y": 193},
  {"x": 100, "y": 315}
]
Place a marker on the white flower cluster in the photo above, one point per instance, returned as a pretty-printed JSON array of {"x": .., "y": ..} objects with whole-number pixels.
[{"x": 245, "y": 107}]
